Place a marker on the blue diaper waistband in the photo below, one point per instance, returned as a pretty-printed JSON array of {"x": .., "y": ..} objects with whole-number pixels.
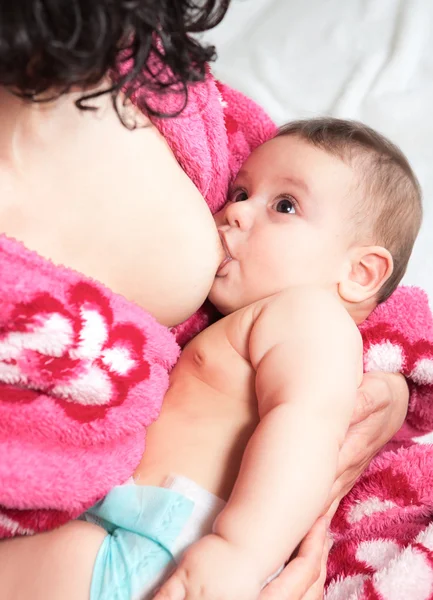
[{"x": 156, "y": 513}]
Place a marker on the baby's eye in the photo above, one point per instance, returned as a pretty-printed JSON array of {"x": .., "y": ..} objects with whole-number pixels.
[
  {"x": 240, "y": 196},
  {"x": 285, "y": 205}
]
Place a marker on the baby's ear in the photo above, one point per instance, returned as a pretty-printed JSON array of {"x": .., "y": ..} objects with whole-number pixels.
[{"x": 369, "y": 268}]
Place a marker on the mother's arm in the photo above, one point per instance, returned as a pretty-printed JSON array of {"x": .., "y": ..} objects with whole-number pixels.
[
  {"x": 379, "y": 414},
  {"x": 52, "y": 565}
]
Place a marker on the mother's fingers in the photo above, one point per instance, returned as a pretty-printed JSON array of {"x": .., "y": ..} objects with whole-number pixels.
[
  {"x": 374, "y": 394},
  {"x": 306, "y": 573},
  {"x": 317, "y": 590},
  {"x": 387, "y": 392}
]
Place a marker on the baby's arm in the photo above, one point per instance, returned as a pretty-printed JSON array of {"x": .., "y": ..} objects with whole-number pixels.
[{"x": 308, "y": 357}]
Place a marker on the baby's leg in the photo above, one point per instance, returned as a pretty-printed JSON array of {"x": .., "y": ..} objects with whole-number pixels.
[{"x": 49, "y": 566}]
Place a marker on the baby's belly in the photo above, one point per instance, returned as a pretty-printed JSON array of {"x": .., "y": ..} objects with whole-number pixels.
[{"x": 202, "y": 437}]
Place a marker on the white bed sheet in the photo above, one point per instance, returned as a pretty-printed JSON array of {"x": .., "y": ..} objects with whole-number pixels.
[{"x": 370, "y": 60}]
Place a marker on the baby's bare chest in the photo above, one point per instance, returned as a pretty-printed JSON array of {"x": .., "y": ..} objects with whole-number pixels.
[
  {"x": 208, "y": 415},
  {"x": 219, "y": 359}
]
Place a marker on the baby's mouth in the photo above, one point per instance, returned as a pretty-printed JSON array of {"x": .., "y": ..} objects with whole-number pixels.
[{"x": 228, "y": 256}]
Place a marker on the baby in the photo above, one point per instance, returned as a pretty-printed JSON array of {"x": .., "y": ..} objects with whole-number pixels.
[{"x": 319, "y": 229}]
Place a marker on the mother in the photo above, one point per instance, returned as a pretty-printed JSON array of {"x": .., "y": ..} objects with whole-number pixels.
[{"x": 88, "y": 181}]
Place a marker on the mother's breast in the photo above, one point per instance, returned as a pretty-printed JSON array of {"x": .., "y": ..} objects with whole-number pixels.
[{"x": 115, "y": 205}]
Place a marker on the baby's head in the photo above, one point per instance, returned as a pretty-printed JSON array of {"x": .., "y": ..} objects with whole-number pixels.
[{"x": 328, "y": 203}]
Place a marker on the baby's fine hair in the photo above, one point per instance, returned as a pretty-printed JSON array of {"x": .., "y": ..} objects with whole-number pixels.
[{"x": 391, "y": 201}]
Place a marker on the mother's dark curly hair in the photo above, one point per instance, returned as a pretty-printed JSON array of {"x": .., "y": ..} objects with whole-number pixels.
[{"x": 49, "y": 46}]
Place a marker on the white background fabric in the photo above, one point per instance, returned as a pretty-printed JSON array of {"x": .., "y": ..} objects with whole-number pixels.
[{"x": 370, "y": 60}]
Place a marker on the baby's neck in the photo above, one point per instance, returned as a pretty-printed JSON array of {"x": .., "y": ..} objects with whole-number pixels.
[{"x": 360, "y": 311}]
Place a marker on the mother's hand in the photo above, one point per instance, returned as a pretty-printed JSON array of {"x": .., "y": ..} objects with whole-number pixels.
[
  {"x": 380, "y": 411},
  {"x": 304, "y": 577}
]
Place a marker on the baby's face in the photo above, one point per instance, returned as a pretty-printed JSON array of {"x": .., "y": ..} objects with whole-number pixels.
[{"x": 287, "y": 223}]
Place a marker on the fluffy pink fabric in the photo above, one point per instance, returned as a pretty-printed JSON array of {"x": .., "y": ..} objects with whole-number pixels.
[
  {"x": 82, "y": 373},
  {"x": 383, "y": 530}
]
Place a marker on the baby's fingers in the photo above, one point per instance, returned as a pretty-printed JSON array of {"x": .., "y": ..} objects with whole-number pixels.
[{"x": 173, "y": 589}]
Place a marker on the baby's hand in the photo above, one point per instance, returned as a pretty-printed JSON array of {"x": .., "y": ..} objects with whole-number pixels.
[{"x": 212, "y": 569}]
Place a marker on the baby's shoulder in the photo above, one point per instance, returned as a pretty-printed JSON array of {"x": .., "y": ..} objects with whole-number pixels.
[
  {"x": 308, "y": 300},
  {"x": 304, "y": 309},
  {"x": 305, "y": 318}
]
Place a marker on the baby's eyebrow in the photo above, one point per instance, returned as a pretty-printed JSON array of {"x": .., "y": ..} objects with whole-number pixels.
[
  {"x": 242, "y": 178},
  {"x": 299, "y": 183},
  {"x": 242, "y": 174}
]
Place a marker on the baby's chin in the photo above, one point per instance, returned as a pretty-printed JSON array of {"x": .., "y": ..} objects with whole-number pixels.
[{"x": 220, "y": 303}]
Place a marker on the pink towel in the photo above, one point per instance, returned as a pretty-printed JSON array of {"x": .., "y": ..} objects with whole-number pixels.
[
  {"x": 383, "y": 530},
  {"x": 82, "y": 373}
]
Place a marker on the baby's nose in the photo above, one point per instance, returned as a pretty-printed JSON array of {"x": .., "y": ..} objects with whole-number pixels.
[{"x": 240, "y": 214}]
